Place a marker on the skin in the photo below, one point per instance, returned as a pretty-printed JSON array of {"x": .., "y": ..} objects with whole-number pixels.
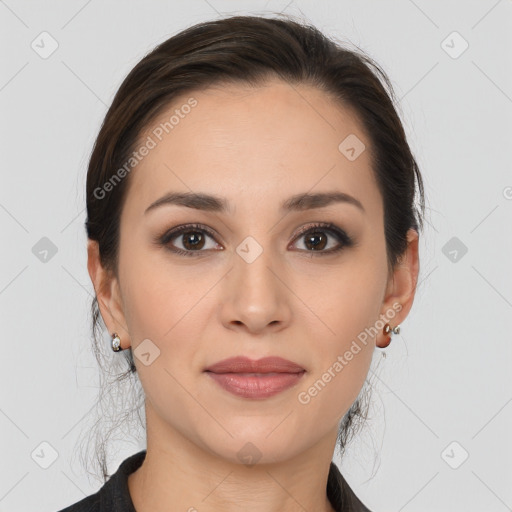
[{"x": 256, "y": 147}]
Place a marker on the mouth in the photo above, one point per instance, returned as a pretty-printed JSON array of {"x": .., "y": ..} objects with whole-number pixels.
[
  {"x": 256, "y": 379},
  {"x": 256, "y": 385},
  {"x": 242, "y": 364}
]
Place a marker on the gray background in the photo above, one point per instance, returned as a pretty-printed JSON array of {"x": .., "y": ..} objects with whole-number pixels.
[{"x": 446, "y": 377}]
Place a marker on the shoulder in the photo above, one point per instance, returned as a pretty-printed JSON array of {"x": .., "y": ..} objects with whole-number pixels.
[
  {"x": 88, "y": 504},
  {"x": 114, "y": 495},
  {"x": 340, "y": 494}
]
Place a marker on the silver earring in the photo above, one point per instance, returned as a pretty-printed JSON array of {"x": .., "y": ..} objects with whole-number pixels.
[
  {"x": 386, "y": 331},
  {"x": 388, "y": 328},
  {"x": 116, "y": 342}
]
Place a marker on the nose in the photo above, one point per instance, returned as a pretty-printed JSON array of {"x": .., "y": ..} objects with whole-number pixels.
[{"x": 255, "y": 296}]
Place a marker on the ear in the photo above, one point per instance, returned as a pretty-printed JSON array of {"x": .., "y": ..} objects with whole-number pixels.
[
  {"x": 401, "y": 287},
  {"x": 108, "y": 294}
]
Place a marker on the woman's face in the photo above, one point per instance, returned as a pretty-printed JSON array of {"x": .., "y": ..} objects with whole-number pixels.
[{"x": 257, "y": 287}]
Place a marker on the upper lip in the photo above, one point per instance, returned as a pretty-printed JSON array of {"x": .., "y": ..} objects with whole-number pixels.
[{"x": 243, "y": 364}]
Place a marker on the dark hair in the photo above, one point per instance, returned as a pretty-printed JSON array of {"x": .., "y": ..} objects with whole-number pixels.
[{"x": 245, "y": 50}]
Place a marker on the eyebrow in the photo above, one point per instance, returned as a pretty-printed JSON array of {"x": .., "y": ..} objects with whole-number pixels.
[{"x": 212, "y": 203}]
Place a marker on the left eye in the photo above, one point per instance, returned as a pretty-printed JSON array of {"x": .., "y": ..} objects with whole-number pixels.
[{"x": 316, "y": 239}]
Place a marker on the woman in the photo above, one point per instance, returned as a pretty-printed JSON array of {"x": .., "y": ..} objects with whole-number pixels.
[{"x": 253, "y": 236}]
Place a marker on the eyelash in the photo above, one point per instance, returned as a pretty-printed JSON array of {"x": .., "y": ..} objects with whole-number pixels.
[{"x": 342, "y": 237}]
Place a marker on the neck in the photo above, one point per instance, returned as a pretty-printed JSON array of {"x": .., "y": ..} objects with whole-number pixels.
[{"x": 179, "y": 475}]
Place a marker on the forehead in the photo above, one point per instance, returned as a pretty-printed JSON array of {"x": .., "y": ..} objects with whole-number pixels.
[{"x": 247, "y": 143}]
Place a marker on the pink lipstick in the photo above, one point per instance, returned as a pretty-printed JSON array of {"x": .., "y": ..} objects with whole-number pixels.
[{"x": 255, "y": 379}]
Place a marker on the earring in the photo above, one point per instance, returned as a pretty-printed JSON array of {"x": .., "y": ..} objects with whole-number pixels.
[
  {"x": 386, "y": 330},
  {"x": 116, "y": 342}
]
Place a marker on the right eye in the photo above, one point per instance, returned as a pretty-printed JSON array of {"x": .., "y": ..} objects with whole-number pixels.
[{"x": 193, "y": 239}]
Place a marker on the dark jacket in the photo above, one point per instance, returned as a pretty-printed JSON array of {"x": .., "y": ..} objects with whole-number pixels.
[{"x": 115, "y": 497}]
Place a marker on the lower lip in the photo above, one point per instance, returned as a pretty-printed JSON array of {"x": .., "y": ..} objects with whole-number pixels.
[{"x": 262, "y": 385}]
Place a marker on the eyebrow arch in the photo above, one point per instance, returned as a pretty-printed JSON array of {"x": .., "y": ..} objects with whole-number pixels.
[{"x": 211, "y": 203}]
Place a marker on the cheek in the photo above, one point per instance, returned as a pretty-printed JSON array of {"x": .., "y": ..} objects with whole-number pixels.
[
  {"x": 347, "y": 306},
  {"x": 345, "y": 298},
  {"x": 155, "y": 294},
  {"x": 165, "y": 305},
  {"x": 146, "y": 297},
  {"x": 158, "y": 308},
  {"x": 342, "y": 367},
  {"x": 330, "y": 392}
]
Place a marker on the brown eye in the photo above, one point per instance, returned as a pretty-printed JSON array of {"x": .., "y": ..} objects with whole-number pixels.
[
  {"x": 318, "y": 237},
  {"x": 193, "y": 239},
  {"x": 315, "y": 240}
]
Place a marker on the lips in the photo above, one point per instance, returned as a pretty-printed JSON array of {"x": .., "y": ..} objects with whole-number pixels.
[
  {"x": 255, "y": 379},
  {"x": 243, "y": 364}
]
